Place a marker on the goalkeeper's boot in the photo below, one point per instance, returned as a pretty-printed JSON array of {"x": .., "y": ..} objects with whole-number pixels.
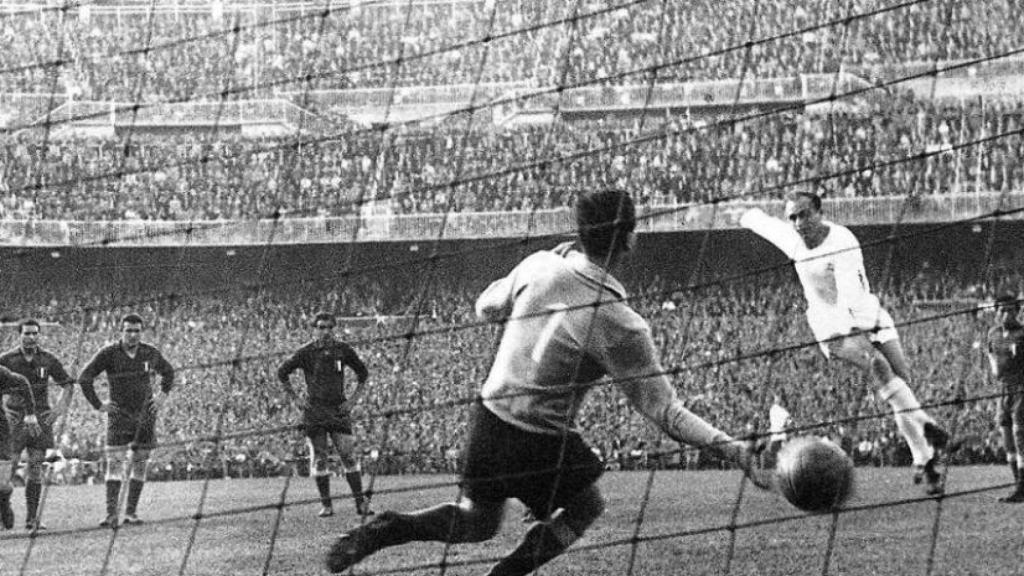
[
  {"x": 325, "y": 511},
  {"x": 361, "y": 542},
  {"x": 6, "y": 512}
]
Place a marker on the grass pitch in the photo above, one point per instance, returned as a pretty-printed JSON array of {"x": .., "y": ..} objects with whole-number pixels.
[{"x": 887, "y": 530}]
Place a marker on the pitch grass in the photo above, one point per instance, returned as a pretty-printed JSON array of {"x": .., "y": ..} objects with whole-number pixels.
[{"x": 887, "y": 530}]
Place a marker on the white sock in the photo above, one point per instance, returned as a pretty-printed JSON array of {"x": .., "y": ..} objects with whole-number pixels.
[{"x": 910, "y": 418}]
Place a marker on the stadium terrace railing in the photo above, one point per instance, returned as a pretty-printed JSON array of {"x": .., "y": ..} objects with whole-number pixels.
[
  {"x": 605, "y": 97},
  {"x": 662, "y": 217}
]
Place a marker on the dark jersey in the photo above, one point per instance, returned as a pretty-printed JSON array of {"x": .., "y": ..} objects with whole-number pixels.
[
  {"x": 1006, "y": 349},
  {"x": 38, "y": 368},
  {"x": 128, "y": 378},
  {"x": 15, "y": 384},
  {"x": 324, "y": 369}
]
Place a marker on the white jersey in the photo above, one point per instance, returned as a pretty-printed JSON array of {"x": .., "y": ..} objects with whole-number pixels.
[
  {"x": 557, "y": 341},
  {"x": 832, "y": 273}
]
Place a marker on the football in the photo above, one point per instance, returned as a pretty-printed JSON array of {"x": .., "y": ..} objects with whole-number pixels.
[{"x": 814, "y": 474}]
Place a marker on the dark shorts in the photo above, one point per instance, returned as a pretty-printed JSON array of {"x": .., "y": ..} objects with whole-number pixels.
[
  {"x": 319, "y": 419},
  {"x": 501, "y": 461},
  {"x": 1011, "y": 407},
  {"x": 5, "y": 438},
  {"x": 137, "y": 430},
  {"x": 19, "y": 436}
]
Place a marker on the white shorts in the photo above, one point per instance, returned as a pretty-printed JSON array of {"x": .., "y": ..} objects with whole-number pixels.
[{"x": 828, "y": 323}]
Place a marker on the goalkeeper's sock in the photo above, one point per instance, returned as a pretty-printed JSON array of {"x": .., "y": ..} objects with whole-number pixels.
[
  {"x": 134, "y": 493},
  {"x": 33, "y": 492},
  {"x": 323, "y": 486},
  {"x": 113, "y": 493},
  {"x": 544, "y": 541}
]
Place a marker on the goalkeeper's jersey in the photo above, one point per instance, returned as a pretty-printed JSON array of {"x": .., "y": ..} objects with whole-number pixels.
[
  {"x": 567, "y": 326},
  {"x": 832, "y": 274}
]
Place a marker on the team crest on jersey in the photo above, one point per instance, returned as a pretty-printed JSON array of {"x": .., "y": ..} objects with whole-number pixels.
[{"x": 42, "y": 372}]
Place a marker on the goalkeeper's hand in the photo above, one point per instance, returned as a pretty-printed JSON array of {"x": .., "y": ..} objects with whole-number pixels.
[{"x": 748, "y": 456}]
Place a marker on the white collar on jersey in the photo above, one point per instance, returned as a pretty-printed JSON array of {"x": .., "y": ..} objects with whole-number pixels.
[{"x": 581, "y": 264}]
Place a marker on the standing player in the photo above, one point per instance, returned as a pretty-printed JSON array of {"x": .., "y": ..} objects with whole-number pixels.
[
  {"x": 848, "y": 321},
  {"x": 567, "y": 325},
  {"x": 39, "y": 367},
  {"x": 1006, "y": 357},
  {"x": 13, "y": 384},
  {"x": 131, "y": 409},
  {"x": 327, "y": 410}
]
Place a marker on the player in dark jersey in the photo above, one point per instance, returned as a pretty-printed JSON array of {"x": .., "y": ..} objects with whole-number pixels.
[
  {"x": 567, "y": 324},
  {"x": 1006, "y": 357},
  {"x": 13, "y": 384},
  {"x": 39, "y": 367},
  {"x": 327, "y": 412},
  {"x": 131, "y": 367}
]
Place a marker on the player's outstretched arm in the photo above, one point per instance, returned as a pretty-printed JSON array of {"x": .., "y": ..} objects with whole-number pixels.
[{"x": 641, "y": 378}]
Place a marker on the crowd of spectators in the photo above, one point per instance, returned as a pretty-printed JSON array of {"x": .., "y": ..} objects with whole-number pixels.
[
  {"x": 902, "y": 146},
  {"x": 229, "y": 417},
  {"x": 189, "y": 51}
]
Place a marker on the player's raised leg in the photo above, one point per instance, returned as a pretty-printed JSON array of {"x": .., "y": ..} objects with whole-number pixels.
[
  {"x": 346, "y": 446},
  {"x": 923, "y": 436},
  {"x": 547, "y": 539},
  {"x": 117, "y": 457},
  {"x": 455, "y": 523}
]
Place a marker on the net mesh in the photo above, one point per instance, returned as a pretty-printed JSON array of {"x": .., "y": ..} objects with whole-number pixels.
[{"x": 172, "y": 89}]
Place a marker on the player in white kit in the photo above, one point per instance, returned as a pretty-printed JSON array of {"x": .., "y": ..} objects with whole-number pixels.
[
  {"x": 848, "y": 321},
  {"x": 567, "y": 325}
]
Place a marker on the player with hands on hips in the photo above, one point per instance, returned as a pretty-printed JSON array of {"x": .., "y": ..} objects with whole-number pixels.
[
  {"x": 131, "y": 366},
  {"x": 12, "y": 383},
  {"x": 326, "y": 413},
  {"x": 39, "y": 367}
]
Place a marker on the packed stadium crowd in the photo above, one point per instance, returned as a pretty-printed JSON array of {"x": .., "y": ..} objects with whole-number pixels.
[
  {"x": 200, "y": 50},
  {"x": 230, "y": 417},
  {"x": 902, "y": 146}
]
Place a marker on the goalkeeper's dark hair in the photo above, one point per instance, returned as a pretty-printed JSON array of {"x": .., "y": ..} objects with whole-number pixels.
[{"x": 604, "y": 220}]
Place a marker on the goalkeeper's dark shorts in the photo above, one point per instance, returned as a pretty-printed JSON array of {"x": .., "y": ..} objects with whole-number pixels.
[
  {"x": 326, "y": 419},
  {"x": 500, "y": 461},
  {"x": 1011, "y": 406},
  {"x": 135, "y": 429},
  {"x": 5, "y": 439}
]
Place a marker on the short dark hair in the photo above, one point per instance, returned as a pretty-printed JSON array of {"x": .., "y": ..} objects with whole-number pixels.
[
  {"x": 798, "y": 194},
  {"x": 324, "y": 317},
  {"x": 604, "y": 220},
  {"x": 131, "y": 319},
  {"x": 27, "y": 322}
]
